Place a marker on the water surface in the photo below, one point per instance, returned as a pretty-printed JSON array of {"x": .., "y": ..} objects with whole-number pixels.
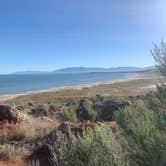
[{"x": 17, "y": 84}]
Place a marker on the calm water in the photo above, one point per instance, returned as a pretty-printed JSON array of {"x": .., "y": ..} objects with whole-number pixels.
[{"x": 15, "y": 84}]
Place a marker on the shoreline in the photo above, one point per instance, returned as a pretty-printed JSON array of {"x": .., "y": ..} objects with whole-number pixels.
[
  {"x": 137, "y": 76},
  {"x": 75, "y": 87}
]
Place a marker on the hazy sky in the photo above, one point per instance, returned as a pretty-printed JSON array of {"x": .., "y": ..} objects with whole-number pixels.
[{"x": 51, "y": 34}]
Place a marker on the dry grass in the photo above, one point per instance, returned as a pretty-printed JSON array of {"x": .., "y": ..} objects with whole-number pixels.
[
  {"x": 13, "y": 162},
  {"x": 27, "y": 130},
  {"x": 35, "y": 128},
  {"x": 15, "y": 132},
  {"x": 43, "y": 127}
]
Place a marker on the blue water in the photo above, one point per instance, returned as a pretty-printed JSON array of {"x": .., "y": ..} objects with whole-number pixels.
[{"x": 15, "y": 84}]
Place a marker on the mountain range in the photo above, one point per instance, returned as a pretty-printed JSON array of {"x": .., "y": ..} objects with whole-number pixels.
[{"x": 89, "y": 70}]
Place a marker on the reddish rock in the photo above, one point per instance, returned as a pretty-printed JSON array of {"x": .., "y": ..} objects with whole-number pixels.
[
  {"x": 39, "y": 112},
  {"x": 44, "y": 156},
  {"x": 7, "y": 113},
  {"x": 113, "y": 125},
  {"x": 68, "y": 128}
]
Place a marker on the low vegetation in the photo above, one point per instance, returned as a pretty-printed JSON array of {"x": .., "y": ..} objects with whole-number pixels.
[
  {"x": 139, "y": 139},
  {"x": 99, "y": 148},
  {"x": 122, "y": 124}
]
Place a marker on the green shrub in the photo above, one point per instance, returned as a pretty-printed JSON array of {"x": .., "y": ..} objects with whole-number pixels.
[
  {"x": 86, "y": 111},
  {"x": 156, "y": 100},
  {"x": 52, "y": 107},
  {"x": 69, "y": 114},
  {"x": 146, "y": 142},
  {"x": 30, "y": 104},
  {"x": 159, "y": 54},
  {"x": 94, "y": 149}
]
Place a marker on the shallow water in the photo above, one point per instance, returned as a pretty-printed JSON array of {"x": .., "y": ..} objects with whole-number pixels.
[{"x": 17, "y": 84}]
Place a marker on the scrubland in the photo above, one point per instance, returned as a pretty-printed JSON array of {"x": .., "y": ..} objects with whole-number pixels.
[{"x": 120, "y": 124}]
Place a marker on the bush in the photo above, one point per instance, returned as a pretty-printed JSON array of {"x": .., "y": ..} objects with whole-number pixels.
[
  {"x": 159, "y": 54},
  {"x": 94, "y": 149},
  {"x": 69, "y": 114},
  {"x": 52, "y": 107},
  {"x": 146, "y": 142},
  {"x": 156, "y": 100},
  {"x": 86, "y": 111}
]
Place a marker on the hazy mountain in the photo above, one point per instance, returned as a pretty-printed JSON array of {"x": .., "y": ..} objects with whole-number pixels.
[
  {"x": 89, "y": 70},
  {"x": 31, "y": 72},
  {"x": 80, "y": 70},
  {"x": 117, "y": 69}
]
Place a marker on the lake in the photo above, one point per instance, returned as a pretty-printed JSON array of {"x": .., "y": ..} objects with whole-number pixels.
[{"x": 17, "y": 84}]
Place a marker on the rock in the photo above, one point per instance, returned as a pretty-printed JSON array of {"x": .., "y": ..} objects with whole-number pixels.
[
  {"x": 68, "y": 128},
  {"x": 39, "y": 112},
  {"x": 89, "y": 125},
  {"x": 44, "y": 156},
  {"x": 9, "y": 114},
  {"x": 59, "y": 109},
  {"x": 108, "y": 109},
  {"x": 46, "y": 119},
  {"x": 113, "y": 125},
  {"x": 65, "y": 127},
  {"x": 20, "y": 108}
]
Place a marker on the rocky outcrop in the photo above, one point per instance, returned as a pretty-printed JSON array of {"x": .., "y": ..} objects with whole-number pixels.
[
  {"x": 108, "y": 109},
  {"x": 20, "y": 108},
  {"x": 112, "y": 124},
  {"x": 39, "y": 112},
  {"x": 44, "y": 156},
  {"x": 10, "y": 114},
  {"x": 68, "y": 128}
]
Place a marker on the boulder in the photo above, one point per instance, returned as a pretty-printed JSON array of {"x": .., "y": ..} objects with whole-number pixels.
[
  {"x": 108, "y": 109},
  {"x": 68, "y": 128},
  {"x": 46, "y": 155},
  {"x": 43, "y": 156},
  {"x": 113, "y": 125},
  {"x": 20, "y": 108},
  {"x": 87, "y": 124},
  {"x": 9, "y": 114},
  {"x": 39, "y": 112}
]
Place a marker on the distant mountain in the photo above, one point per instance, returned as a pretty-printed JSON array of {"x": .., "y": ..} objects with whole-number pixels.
[
  {"x": 116, "y": 69},
  {"x": 31, "y": 72},
  {"x": 89, "y": 70},
  {"x": 80, "y": 70}
]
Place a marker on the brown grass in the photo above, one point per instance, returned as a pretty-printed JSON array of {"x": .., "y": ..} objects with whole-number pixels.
[
  {"x": 13, "y": 162},
  {"x": 16, "y": 132},
  {"x": 26, "y": 130}
]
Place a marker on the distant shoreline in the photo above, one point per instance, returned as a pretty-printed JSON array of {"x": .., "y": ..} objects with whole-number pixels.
[{"x": 76, "y": 87}]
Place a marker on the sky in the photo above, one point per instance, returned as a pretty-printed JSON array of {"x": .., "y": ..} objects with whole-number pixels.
[{"x": 52, "y": 34}]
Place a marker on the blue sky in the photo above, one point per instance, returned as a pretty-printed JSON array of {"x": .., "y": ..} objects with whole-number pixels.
[{"x": 52, "y": 34}]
